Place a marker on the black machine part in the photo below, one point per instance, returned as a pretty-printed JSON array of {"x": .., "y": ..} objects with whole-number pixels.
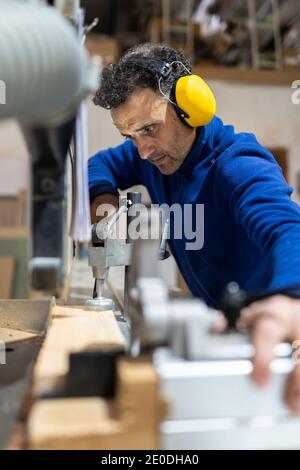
[
  {"x": 48, "y": 147},
  {"x": 234, "y": 299}
]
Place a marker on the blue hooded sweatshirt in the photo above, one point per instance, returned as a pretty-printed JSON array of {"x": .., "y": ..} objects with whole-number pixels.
[{"x": 251, "y": 226}]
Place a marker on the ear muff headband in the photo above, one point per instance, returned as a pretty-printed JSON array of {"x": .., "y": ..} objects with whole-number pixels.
[{"x": 194, "y": 101}]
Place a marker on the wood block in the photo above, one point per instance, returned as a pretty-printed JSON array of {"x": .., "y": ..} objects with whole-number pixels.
[
  {"x": 138, "y": 393},
  {"x": 95, "y": 423},
  {"x": 13, "y": 210},
  {"x": 65, "y": 311},
  {"x": 7, "y": 272},
  {"x": 73, "y": 330},
  {"x": 80, "y": 332},
  {"x": 14, "y": 243},
  {"x": 137, "y": 381},
  {"x": 131, "y": 421},
  {"x": 9, "y": 335},
  {"x": 82, "y": 424},
  {"x": 50, "y": 369},
  {"x": 71, "y": 423}
]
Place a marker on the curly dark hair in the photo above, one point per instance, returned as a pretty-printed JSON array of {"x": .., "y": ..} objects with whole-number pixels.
[{"x": 135, "y": 69}]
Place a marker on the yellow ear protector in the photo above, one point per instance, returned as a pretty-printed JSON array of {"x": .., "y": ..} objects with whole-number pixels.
[{"x": 191, "y": 96}]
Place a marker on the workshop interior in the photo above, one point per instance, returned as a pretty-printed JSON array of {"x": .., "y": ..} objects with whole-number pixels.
[{"x": 102, "y": 344}]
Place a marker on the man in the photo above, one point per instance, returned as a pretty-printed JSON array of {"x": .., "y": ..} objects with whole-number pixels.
[{"x": 252, "y": 228}]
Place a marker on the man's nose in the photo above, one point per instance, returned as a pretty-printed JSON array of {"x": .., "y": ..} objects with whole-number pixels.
[{"x": 145, "y": 148}]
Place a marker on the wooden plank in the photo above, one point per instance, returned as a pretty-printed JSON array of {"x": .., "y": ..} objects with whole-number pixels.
[
  {"x": 7, "y": 272},
  {"x": 130, "y": 422},
  {"x": 73, "y": 329},
  {"x": 78, "y": 333},
  {"x": 137, "y": 385},
  {"x": 14, "y": 242},
  {"x": 13, "y": 232},
  {"x": 71, "y": 423},
  {"x": 13, "y": 210},
  {"x": 9, "y": 335}
]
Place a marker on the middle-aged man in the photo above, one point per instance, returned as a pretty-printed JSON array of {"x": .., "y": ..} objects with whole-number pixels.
[{"x": 252, "y": 227}]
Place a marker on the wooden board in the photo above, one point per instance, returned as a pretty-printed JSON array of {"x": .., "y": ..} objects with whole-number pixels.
[
  {"x": 130, "y": 422},
  {"x": 7, "y": 272},
  {"x": 13, "y": 210},
  {"x": 8, "y": 335},
  {"x": 73, "y": 329},
  {"x": 70, "y": 423},
  {"x": 14, "y": 243}
]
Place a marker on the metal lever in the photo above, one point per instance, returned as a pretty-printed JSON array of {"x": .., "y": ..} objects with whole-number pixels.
[
  {"x": 163, "y": 252},
  {"x": 100, "y": 232}
]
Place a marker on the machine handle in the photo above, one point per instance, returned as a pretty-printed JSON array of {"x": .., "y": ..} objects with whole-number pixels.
[{"x": 234, "y": 299}]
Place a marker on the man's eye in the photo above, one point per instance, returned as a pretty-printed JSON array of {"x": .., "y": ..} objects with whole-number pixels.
[{"x": 149, "y": 130}]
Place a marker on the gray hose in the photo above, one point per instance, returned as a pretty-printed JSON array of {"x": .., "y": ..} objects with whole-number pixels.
[{"x": 44, "y": 69}]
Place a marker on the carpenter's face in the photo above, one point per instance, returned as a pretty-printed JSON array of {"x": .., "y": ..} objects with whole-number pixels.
[{"x": 152, "y": 124}]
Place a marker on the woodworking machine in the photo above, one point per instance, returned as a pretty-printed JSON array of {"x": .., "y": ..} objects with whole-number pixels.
[
  {"x": 44, "y": 74},
  {"x": 23, "y": 325},
  {"x": 107, "y": 249},
  {"x": 204, "y": 376},
  {"x": 213, "y": 402}
]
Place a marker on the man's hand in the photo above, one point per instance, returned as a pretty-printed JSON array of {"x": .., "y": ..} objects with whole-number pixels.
[
  {"x": 273, "y": 320},
  {"x": 106, "y": 198}
]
